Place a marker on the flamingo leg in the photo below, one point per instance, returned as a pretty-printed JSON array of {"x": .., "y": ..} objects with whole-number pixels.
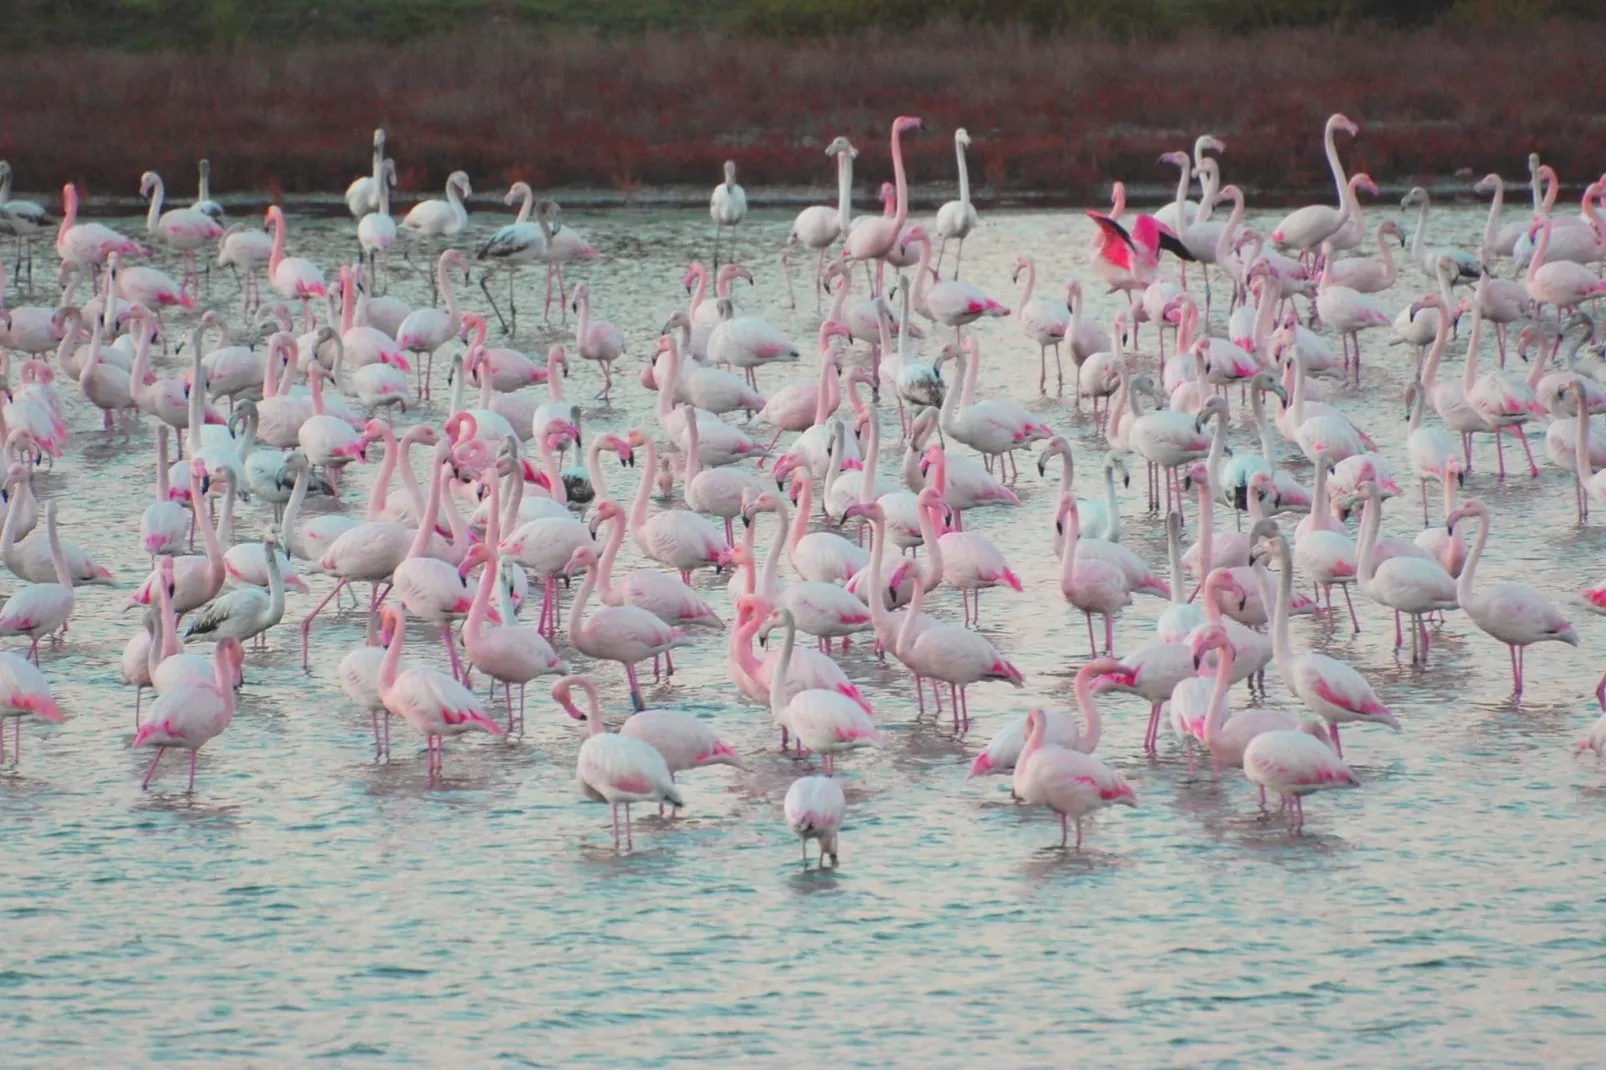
[
  {"x": 635, "y": 689},
  {"x": 1352, "y": 618},
  {"x": 306, "y": 625},
  {"x": 190, "y": 788},
  {"x": 150, "y": 772}
]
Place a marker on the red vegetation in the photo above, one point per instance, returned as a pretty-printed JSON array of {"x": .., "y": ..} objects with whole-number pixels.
[{"x": 1060, "y": 115}]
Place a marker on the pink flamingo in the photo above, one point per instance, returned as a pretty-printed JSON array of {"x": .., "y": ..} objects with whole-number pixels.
[
  {"x": 1226, "y": 738},
  {"x": 615, "y": 768},
  {"x": 1305, "y": 229},
  {"x": 429, "y": 587},
  {"x": 875, "y": 237},
  {"x": 1068, "y": 782},
  {"x": 184, "y": 229},
  {"x": 198, "y": 577},
  {"x": 679, "y": 538},
  {"x": 1516, "y": 615},
  {"x": 41, "y": 609},
  {"x": 187, "y": 717},
  {"x": 435, "y": 705},
  {"x": 1411, "y": 585},
  {"x": 822, "y": 608},
  {"x": 1295, "y": 764},
  {"x": 824, "y": 721},
  {"x": 507, "y": 653},
  {"x": 1558, "y": 282},
  {"x": 814, "y": 809},
  {"x": 682, "y": 739},
  {"x": 24, "y": 692},
  {"x": 1044, "y": 321},
  {"x": 596, "y": 340},
  {"x": 992, "y": 427},
  {"x": 953, "y": 654},
  {"x": 367, "y": 553},
  {"x": 427, "y": 329},
  {"x": 88, "y": 243},
  {"x": 626, "y": 634},
  {"x": 1004, "y": 750},
  {"x": 359, "y": 679},
  {"x": 1091, "y": 585},
  {"x": 809, "y": 670},
  {"x": 292, "y": 277},
  {"x": 970, "y": 563},
  {"x": 1329, "y": 688},
  {"x": 964, "y": 484},
  {"x": 952, "y": 304},
  {"x": 662, "y": 595}
]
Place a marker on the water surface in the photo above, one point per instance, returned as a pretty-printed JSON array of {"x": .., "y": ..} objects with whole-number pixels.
[{"x": 310, "y": 903}]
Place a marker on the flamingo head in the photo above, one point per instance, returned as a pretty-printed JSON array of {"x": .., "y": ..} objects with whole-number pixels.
[
  {"x": 1178, "y": 159},
  {"x": 905, "y": 123},
  {"x": 1342, "y": 122},
  {"x": 582, "y": 558},
  {"x": 608, "y": 510},
  {"x": 1211, "y": 637}
]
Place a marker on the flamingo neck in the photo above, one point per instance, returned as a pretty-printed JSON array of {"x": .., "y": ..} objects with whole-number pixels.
[
  {"x": 1464, "y": 583},
  {"x": 426, "y": 523},
  {"x": 964, "y": 175},
  {"x": 388, "y": 667},
  {"x": 1218, "y": 696},
  {"x": 1094, "y": 724},
  {"x": 844, "y": 190},
  {"x": 1031, "y": 281},
  {"x": 154, "y": 213},
  {"x": 638, "y": 507},
  {"x": 1334, "y": 164},
  {"x": 578, "y": 612},
  {"x": 900, "y": 186},
  {"x": 767, "y": 589}
]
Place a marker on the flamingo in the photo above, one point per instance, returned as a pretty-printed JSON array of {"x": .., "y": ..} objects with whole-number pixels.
[
  {"x": 596, "y": 340},
  {"x": 1516, "y": 615},
  {"x": 376, "y": 231},
  {"x": 183, "y": 229},
  {"x": 1466, "y": 266},
  {"x": 440, "y": 219},
  {"x": 248, "y": 251},
  {"x": 1091, "y": 585},
  {"x": 563, "y": 246},
  {"x": 188, "y": 717},
  {"x": 22, "y": 220},
  {"x": 512, "y": 247},
  {"x": 1329, "y": 688},
  {"x": 427, "y": 329},
  {"x": 953, "y": 304},
  {"x": 824, "y": 721},
  {"x": 993, "y": 428},
  {"x": 292, "y": 277},
  {"x": 1306, "y": 228},
  {"x": 727, "y": 207},
  {"x": 24, "y": 692},
  {"x": 952, "y": 654},
  {"x": 1004, "y": 749},
  {"x": 88, "y": 243},
  {"x": 1558, "y": 282},
  {"x": 1348, "y": 311},
  {"x": 682, "y": 739},
  {"x": 613, "y": 767},
  {"x": 814, "y": 809},
  {"x": 1411, "y": 585},
  {"x": 506, "y": 652},
  {"x": 41, "y": 609},
  {"x": 626, "y": 634},
  {"x": 1295, "y": 764},
  {"x": 1069, "y": 782},
  {"x": 956, "y": 219},
  {"x": 809, "y": 669},
  {"x": 362, "y": 196},
  {"x": 875, "y": 237},
  {"x": 434, "y": 704},
  {"x": 662, "y": 595},
  {"x": 819, "y": 226},
  {"x": 246, "y": 613}
]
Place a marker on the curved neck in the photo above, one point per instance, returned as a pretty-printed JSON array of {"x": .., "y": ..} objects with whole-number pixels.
[
  {"x": 1541, "y": 250},
  {"x": 392, "y": 661},
  {"x": 1463, "y": 584},
  {"x": 767, "y": 588},
  {"x": 875, "y": 595},
  {"x": 872, "y": 448},
  {"x": 276, "y": 257},
  {"x": 933, "y": 546},
  {"x": 1217, "y": 714},
  {"x": 900, "y": 186},
  {"x": 158, "y": 194},
  {"x": 479, "y": 609},
  {"x": 694, "y": 460},
  {"x": 426, "y": 523},
  {"x": 1184, "y": 179},
  {"x": 1421, "y": 226},
  {"x": 964, "y": 174},
  {"x": 638, "y": 507},
  {"x": 1340, "y": 183},
  {"x": 1094, "y": 724},
  {"x": 1031, "y": 281},
  {"x": 1073, "y": 535},
  {"x": 911, "y": 617},
  {"x": 599, "y": 484},
  {"x": 581, "y": 598},
  {"x": 1257, "y": 403},
  {"x": 549, "y": 468},
  {"x": 1492, "y": 224},
  {"x": 782, "y": 668},
  {"x": 381, "y": 492},
  {"x": 1365, "y": 557},
  {"x": 800, "y": 524},
  {"x": 1418, "y": 404},
  {"x": 697, "y": 295}
]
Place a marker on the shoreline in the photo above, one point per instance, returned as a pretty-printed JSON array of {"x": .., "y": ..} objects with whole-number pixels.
[{"x": 1148, "y": 196}]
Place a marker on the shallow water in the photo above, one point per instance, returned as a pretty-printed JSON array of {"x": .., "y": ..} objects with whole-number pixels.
[{"x": 308, "y": 901}]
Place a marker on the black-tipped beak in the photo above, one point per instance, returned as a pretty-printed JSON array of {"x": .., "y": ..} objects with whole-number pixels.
[
  {"x": 1042, "y": 467},
  {"x": 630, "y": 461},
  {"x": 1460, "y": 479},
  {"x": 1240, "y": 498}
]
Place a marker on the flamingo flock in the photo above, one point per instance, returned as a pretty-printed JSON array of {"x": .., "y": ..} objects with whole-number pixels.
[{"x": 863, "y": 522}]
